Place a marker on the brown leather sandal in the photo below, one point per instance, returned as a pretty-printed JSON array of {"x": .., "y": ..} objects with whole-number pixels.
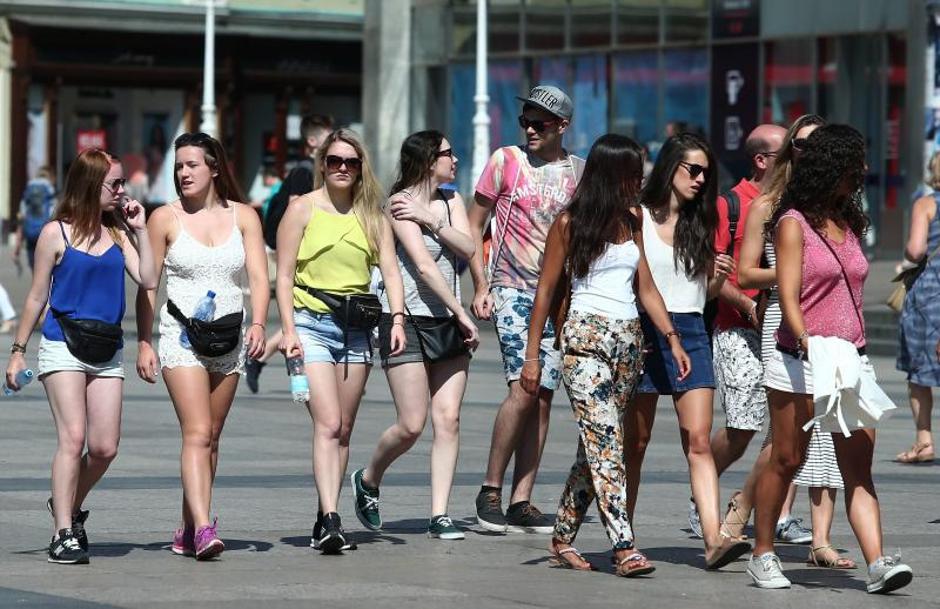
[
  {"x": 920, "y": 452},
  {"x": 633, "y": 565},
  {"x": 730, "y": 550},
  {"x": 562, "y": 559},
  {"x": 827, "y": 561},
  {"x": 735, "y": 519}
]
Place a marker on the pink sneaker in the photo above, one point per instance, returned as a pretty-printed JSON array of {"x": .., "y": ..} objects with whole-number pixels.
[
  {"x": 184, "y": 543},
  {"x": 207, "y": 542}
]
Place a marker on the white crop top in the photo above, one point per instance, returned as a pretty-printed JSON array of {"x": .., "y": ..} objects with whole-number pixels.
[
  {"x": 681, "y": 294},
  {"x": 607, "y": 289}
]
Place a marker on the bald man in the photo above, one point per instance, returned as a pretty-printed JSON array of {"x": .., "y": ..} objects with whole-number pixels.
[{"x": 736, "y": 341}]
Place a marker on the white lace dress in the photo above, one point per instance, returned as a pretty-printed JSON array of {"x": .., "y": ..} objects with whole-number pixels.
[{"x": 192, "y": 269}]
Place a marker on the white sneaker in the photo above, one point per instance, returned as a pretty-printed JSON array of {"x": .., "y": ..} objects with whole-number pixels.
[
  {"x": 766, "y": 572},
  {"x": 888, "y": 573},
  {"x": 695, "y": 522}
]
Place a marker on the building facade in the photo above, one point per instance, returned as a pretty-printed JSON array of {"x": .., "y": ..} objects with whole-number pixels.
[
  {"x": 127, "y": 75},
  {"x": 718, "y": 66}
]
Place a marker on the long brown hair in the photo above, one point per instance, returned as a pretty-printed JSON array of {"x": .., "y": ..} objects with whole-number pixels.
[
  {"x": 80, "y": 206},
  {"x": 226, "y": 186},
  {"x": 367, "y": 194}
]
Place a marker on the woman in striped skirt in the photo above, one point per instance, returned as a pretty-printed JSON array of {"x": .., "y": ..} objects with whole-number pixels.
[{"x": 819, "y": 471}]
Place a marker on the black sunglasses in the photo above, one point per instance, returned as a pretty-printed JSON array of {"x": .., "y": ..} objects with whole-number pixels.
[
  {"x": 799, "y": 143},
  {"x": 694, "y": 169},
  {"x": 768, "y": 153},
  {"x": 333, "y": 162},
  {"x": 449, "y": 152},
  {"x": 537, "y": 126}
]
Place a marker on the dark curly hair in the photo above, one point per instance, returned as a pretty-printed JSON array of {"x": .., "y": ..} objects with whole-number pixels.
[
  {"x": 599, "y": 209},
  {"x": 827, "y": 181},
  {"x": 694, "y": 239}
]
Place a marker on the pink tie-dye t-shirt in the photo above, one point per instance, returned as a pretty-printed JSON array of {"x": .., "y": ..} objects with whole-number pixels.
[{"x": 528, "y": 194}]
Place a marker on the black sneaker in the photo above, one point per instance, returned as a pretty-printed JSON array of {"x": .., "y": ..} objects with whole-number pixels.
[
  {"x": 78, "y": 524},
  {"x": 523, "y": 517},
  {"x": 65, "y": 549},
  {"x": 332, "y": 540},
  {"x": 490, "y": 511},
  {"x": 252, "y": 372},
  {"x": 318, "y": 530}
]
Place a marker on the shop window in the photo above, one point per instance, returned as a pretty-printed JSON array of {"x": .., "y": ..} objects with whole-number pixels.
[
  {"x": 503, "y": 28},
  {"x": 555, "y": 71},
  {"x": 589, "y": 96},
  {"x": 637, "y": 22},
  {"x": 636, "y": 95},
  {"x": 788, "y": 80},
  {"x": 460, "y": 125},
  {"x": 545, "y": 24},
  {"x": 687, "y": 20},
  {"x": 590, "y": 23},
  {"x": 685, "y": 87}
]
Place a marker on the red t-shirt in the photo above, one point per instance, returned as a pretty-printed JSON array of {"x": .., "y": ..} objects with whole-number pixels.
[{"x": 728, "y": 316}]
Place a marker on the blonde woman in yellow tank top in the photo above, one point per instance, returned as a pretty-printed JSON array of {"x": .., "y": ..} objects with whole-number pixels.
[{"x": 329, "y": 240}]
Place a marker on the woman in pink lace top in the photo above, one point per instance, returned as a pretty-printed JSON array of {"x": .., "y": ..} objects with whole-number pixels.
[{"x": 821, "y": 270}]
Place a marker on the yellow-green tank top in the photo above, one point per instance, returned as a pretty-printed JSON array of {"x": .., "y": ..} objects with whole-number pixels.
[{"x": 334, "y": 256}]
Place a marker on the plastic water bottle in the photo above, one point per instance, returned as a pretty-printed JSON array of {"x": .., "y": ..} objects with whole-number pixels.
[
  {"x": 23, "y": 378},
  {"x": 205, "y": 311},
  {"x": 299, "y": 387}
]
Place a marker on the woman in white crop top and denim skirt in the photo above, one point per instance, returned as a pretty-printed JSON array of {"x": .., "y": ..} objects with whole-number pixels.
[
  {"x": 598, "y": 241},
  {"x": 679, "y": 220}
]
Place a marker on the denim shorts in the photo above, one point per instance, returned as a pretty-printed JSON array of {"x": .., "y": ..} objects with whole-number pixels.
[
  {"x": 54, "y": 356},
  {"x": 322, "y": 339},
  {"x": 512, "y": 309},
  {"x": 659, "y": 370}
]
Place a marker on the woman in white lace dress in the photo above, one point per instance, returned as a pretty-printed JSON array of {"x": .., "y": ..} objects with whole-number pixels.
[{"x": 204, "y": 240}]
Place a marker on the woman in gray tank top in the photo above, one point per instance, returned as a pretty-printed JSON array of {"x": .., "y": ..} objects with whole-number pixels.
[{"x": 432, "y": 233}]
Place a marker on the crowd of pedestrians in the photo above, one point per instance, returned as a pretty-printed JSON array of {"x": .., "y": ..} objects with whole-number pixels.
[{"x": 593, "y": 278}]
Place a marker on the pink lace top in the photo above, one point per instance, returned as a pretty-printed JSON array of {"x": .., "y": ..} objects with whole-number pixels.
[{"x": 828, "y": 309}]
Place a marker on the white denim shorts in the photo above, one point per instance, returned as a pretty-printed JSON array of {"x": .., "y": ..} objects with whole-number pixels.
[
  {"x": 784, "y": 372},
  {"x": 54, "y": 356}
]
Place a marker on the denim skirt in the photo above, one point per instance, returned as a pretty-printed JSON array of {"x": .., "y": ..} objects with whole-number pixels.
[{"x": 659, "y": 370}]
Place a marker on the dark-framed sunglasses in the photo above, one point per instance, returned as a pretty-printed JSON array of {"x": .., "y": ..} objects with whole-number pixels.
[
  {"x": 768, "y": 153},
  {"x": 537, "y": 126},
  {"x": 694, "y": 169},
  {"x": 115, "y": 185},
  {"x": 799, "y": 143},
  {"x": 333, "y": 162},
  {"x": 448, "y": 152}
]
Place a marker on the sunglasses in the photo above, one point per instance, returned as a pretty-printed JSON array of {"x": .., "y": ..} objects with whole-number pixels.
[
  {"x": 115, "y": 185},
  {"x": 449, "y": 152},
  {"x": 333, "y": 163},
  {"x": 537, "y": 126},
  {"x": 768, "y": 153},
  {"x": 799, "y": 143},
  {"x": 694, "y": 169}
]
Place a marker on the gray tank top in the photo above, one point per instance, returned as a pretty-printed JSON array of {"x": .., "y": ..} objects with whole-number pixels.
[{"x": 419, "y": 298}]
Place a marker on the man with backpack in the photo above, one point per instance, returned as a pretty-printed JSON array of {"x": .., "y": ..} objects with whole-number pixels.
[
  {"x": 35, "y": 210},
  {"x": 736, "y": 339},
  {"x": 313, "y": 131}
]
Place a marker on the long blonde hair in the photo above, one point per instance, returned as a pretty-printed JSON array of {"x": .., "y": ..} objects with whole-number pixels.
[
  {"x": 783, "y": 167},
  {"x": 933, "y": 171},
  {"x": 367, "y": 193}
]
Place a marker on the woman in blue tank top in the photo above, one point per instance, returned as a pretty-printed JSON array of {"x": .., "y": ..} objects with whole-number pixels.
[{"x": 95, "y": 235}]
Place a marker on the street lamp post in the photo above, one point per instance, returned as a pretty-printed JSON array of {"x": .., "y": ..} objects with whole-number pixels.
[
  {"x": 209, "y": 123},
  {"x": 481, "y": 119}
]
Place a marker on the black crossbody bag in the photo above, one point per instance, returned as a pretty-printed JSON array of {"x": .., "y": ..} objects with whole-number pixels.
[
  {"x": 90, "y": 340},
  {"x": 210, "y": 338},
  {"x": 352, "y": 311}
]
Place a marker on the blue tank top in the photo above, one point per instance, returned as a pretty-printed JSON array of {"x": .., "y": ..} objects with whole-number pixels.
[{"x": 86, "y": 287}]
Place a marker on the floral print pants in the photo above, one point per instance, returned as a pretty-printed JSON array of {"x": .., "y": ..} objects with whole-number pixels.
[{"x": 603, "y": 360}]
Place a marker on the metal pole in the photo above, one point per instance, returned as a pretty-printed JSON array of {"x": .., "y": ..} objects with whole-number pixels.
[
  {"x": 481, "y": 119},
  {"x": 209, "y": 123}
]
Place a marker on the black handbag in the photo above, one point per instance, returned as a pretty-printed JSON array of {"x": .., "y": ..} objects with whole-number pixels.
[
  {"x": 353, "y": 311},
  {"x": 440, "y": 338},
  {"x": 90, "y": 340},
  {"x": 210, "y": 338}
]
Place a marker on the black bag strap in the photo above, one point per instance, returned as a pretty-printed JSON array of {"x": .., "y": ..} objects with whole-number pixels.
[
  {"x": 64, "y": 238},
  {"x": 175, "y": 312},
  {"x": 734, "y": 214},
  {"x": 845, "y": 277}
]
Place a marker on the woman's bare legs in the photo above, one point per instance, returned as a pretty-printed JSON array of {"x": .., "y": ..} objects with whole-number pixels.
[
  {"x": 637, "y": 429},
  {"x": 447, "y": 384}
]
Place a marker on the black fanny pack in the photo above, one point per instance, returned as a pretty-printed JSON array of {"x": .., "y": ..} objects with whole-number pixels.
[
  {"x": 439, "y": 338},
  {"x": 210, "y": 338},
  {"x": 90, "y": 340},
  {"x": 353, "y": 311}
]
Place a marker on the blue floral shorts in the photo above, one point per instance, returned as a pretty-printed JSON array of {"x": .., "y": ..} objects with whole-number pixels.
[{"x": 512, "y": 310}]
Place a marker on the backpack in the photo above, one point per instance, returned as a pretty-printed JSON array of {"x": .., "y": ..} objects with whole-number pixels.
[
  {"x": 734, "y": 214},
  {"x": 37, "y": 203},
  {"x": 280, "y": 200}
]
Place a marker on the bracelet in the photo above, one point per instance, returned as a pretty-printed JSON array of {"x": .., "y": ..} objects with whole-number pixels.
[
  {"x": 393, "y": 315},
  {"x": 672, "y": 333},
  {"x": 532, "y": 359},
  {"x": 398, "y": 323},
  {"x": 17, "y": 348},
  {"x": 441, "y": 225},
  {"x": 255, "y": 323}
]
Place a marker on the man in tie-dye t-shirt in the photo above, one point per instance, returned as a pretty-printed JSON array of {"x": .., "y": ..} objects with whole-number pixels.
[{"x": 523, "y": 189}]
